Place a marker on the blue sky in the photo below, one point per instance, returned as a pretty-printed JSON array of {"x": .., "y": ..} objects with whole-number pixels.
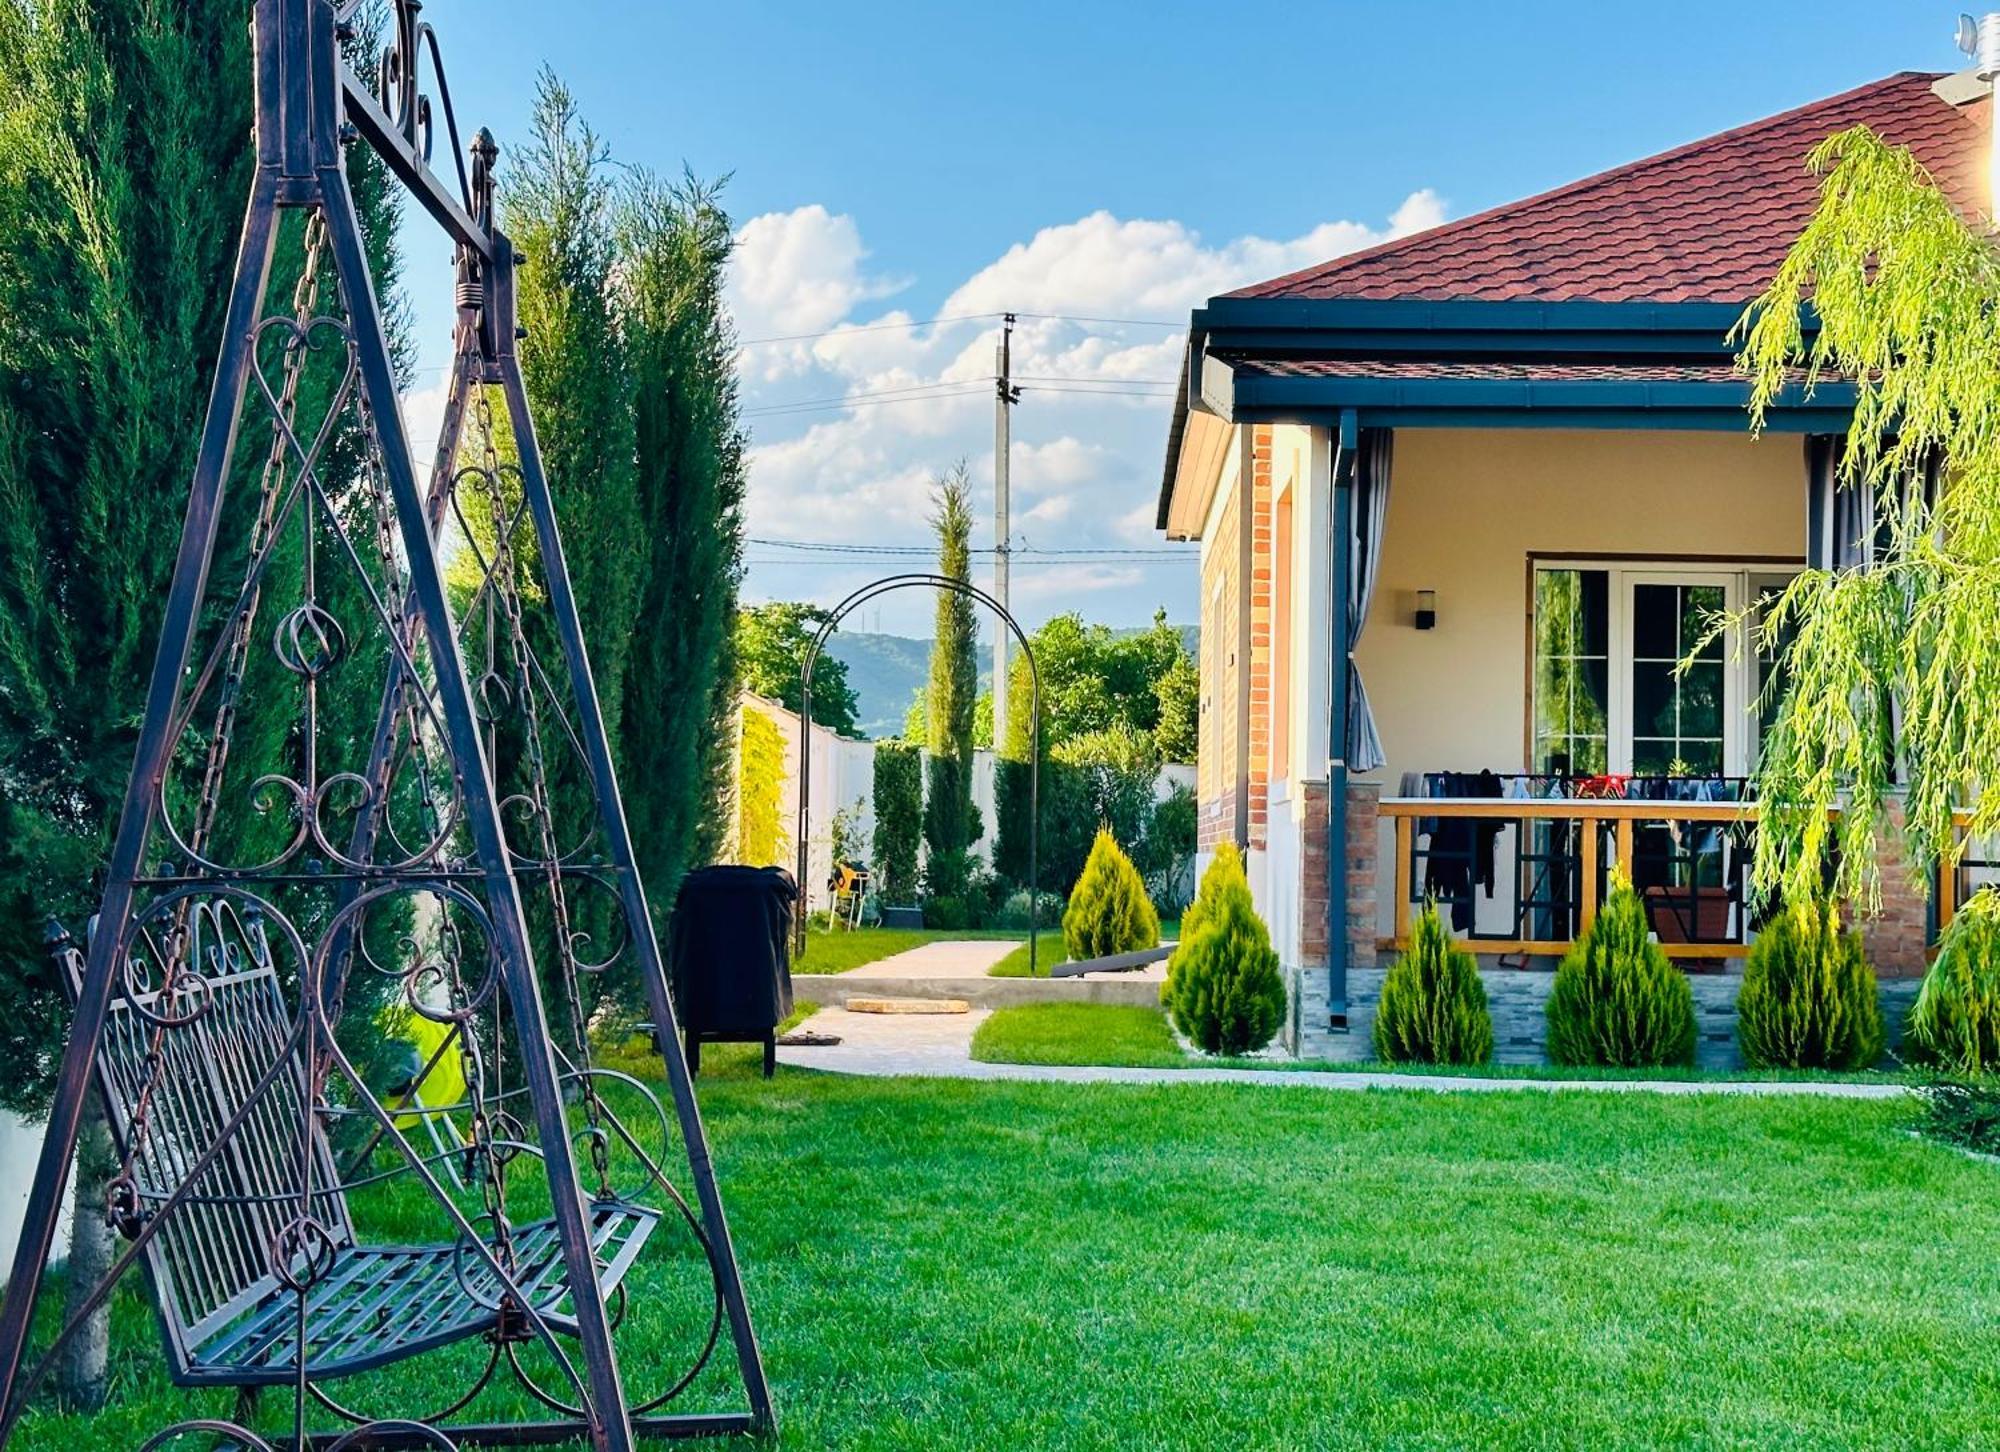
[{"x": 891, "y": 162}]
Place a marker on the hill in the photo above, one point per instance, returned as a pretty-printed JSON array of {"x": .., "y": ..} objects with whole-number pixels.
[{"x": 887, "y": 670}]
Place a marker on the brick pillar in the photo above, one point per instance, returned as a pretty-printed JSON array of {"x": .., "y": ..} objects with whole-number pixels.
[
  {"x": 1364, "y": 799},
  {"x": 1898, "y": 938}
]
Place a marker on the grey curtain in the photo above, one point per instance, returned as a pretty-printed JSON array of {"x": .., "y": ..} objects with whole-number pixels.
[
  {"x": 1840, "y": 519},
  {"x": 1371, "y": 508}
]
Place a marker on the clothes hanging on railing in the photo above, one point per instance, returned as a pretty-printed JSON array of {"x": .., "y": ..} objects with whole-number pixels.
[{"x": 1461, "y": 849}]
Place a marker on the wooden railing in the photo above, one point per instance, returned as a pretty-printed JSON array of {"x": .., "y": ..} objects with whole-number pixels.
[{"x": 1594, "y": 815}]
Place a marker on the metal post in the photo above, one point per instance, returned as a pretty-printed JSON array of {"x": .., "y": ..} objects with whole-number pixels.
[
  {"x": 611, "y": 1430},
  {"x": 1006, "y": 395},
  {"x": 618, "y": 844},
  {"x": 1340, "y": 529}
]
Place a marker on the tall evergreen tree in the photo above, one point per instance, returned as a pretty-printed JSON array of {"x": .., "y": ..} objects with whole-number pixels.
[
  {"x": 675, "y": 737},
  {"x": 949, "y": 825},
  {"x": 125, "y": 156},
  {"x": 557, "y": 206}
]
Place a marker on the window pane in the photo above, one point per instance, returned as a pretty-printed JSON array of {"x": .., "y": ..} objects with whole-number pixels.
[
  {"x": 1701, "y": 700},
  {"x": 1571, "y": 695},
  {"x": 1653, "y": 699},
  {"x": 1700, "y": 604},
  {"x": 1652, "y": 757},
  {"x": 1655, "y": 622},
  {"x": 1702, "y": 758}
]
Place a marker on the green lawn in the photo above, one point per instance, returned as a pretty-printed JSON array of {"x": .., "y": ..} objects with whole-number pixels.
[
  {"x": 1078, "y": 1033},
  {"x": 1015, "y": 964},
  {"x": 842, "y": 951},
  {"x": 952, "y": 1265}
]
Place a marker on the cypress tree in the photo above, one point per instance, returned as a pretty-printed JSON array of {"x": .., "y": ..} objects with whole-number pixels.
[
  {"x": 125, "y": 158},
  {"x": 949, "y": 828},
  {"x": 680, "y": 683}
]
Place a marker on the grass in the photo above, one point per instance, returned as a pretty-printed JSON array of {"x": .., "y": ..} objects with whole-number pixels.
[
  {"x": 1134, "y": 1037},
  {"x": 1015, "y": 964},
  {"x": 846, "y": 950},
  {"x": 940, "y": 1265},
  {"x": 1077, "y": 1033}
]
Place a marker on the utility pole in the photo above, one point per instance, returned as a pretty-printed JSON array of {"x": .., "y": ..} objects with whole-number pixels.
[{"x": 1005, "y": 396}]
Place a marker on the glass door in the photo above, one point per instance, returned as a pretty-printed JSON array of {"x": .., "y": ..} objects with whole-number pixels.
[{"x": 1668, "y": 721}]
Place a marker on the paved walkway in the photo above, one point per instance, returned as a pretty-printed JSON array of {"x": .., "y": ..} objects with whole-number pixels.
[
  {"x": 958, "y": 958},
  {"x": 938, "y": 1046}
]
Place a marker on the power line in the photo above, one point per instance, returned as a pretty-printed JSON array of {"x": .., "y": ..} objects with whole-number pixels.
[
  {"x": 816, "y": 546},
  {"x": 957, "y": 318}
]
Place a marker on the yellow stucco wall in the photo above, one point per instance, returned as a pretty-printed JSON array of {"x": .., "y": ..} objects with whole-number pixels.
[{"x": 1467, "y": 508}]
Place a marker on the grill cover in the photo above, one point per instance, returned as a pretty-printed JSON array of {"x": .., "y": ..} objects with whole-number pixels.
[{"x": 730, "y": 950}]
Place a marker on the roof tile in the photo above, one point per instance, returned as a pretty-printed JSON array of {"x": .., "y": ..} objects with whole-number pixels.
[{"x": 1708, "y": 222}]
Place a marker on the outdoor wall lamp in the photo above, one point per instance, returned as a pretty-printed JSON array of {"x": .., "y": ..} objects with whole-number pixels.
[
  {"x": 1980, "y": 39},
  {"x": 1427, "y": 609}
]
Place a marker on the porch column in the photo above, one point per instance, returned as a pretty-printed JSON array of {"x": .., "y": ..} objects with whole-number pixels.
[{"x": 1340, "y": 554}]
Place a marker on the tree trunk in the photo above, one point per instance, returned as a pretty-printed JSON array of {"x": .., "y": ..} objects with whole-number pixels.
[{"x": 82, "y": 1372}]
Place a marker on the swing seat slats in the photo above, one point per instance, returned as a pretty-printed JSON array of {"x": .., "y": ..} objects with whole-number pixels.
[
  {"x": 378, "y": 1304},
  {"x": 228, "y": 1311}
]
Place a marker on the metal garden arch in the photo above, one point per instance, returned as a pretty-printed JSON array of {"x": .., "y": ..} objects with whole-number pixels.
[{"x": 874, "y": 591}]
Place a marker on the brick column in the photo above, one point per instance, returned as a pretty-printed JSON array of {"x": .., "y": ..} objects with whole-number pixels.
[
  {"x": 1364, "y": 800},
  {"x": 1898, "y": 939}
]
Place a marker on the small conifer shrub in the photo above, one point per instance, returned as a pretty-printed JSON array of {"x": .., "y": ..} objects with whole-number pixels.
[
  {"x": 1617, "y": 1001},
  {"x": 1109, "y": 911},
  {"x": 1955, "y": 1022},
  {"x": 1433, "y": 1006},
  {"x": 1223, "y": 987},
  {"x": 1808, "y": 997}
]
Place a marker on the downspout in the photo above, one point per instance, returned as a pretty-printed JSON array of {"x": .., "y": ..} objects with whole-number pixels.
[
  {"x": 1246, "y": 590},
  {"x": 1340, "y": 545}
]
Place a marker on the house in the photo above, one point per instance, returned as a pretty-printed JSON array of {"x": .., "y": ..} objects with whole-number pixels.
[{"x": 1505, "y": 463}]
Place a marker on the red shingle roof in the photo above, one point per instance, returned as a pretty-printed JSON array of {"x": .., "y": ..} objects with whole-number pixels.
[{"x": 1708, "y": 222}]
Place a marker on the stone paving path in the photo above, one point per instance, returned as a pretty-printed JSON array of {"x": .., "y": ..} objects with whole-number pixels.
[
  {"x": 939, "y": 1047},
  {"x": 958, "y": 958}
]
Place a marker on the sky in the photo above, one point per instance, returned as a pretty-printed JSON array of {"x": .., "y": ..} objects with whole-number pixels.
[{"x": 1106, "y": 166}]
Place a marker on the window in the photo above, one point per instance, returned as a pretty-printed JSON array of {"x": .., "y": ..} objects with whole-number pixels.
[
  {"x": 1572, "y": 671},
  {"x": 1678, "y": 728},
  {"x": 1608, "y": 691}
]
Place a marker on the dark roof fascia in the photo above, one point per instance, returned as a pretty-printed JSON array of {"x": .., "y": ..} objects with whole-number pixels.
[
  {"x": 1294, "y": 326},
  {"x": 1635, "y": 403}
]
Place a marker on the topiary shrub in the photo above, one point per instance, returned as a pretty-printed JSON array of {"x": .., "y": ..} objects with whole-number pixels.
[
  {"x": 1223, "y": 987},
  {"x": 1109, "y": 911},
  {"x": 1617, "y": 1000},
  {"x": 1955, "y": 1022},
  {"x": 1433, "y": 1006},
  {"x": 1808, "y": 997}
]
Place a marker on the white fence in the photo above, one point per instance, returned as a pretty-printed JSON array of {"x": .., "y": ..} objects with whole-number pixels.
[{"x": 843, "y": 779}]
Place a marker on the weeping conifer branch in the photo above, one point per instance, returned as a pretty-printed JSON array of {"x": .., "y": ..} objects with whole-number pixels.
[{"x": 1891, "y": 674}]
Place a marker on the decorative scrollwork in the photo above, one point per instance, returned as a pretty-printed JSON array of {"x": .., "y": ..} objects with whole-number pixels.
[{"x": 399, "y": 85}]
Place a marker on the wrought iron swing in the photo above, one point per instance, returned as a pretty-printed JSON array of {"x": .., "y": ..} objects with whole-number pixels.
[{"x": 219, "y": 987}]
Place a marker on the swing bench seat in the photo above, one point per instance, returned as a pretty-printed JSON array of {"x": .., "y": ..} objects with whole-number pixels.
[
  {"x": 228, "y": 1307},
  {"x": 376, "y": 1305}
]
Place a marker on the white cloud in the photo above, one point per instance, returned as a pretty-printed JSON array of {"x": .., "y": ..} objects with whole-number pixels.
[
  {"x": 1091, "y": 427},
  {"x": 798, "y": 272}
]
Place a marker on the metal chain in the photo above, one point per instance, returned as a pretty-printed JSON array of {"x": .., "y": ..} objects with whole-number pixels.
[
  {"x": 507, "y": 591},
  {"x": 123, "y": 1209}
]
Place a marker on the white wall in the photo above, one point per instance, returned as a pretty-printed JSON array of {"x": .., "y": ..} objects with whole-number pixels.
[{"x": 20, "y": 1148}]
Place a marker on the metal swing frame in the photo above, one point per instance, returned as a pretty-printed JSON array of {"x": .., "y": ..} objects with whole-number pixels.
[{"x": 310, "y": 106}]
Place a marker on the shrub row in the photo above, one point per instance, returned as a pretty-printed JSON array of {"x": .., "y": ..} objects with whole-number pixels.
[{"x": 1807, "y": 1001}]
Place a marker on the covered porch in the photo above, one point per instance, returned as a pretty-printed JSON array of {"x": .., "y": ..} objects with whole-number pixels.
[{"x": 1482, "y": 577}]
